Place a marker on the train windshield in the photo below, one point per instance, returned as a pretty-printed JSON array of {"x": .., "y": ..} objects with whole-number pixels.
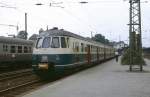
[
  {"x": 46, "y": 42},
  {"x": 55, "y": 42},
  {"x": 39, "y": 43}
]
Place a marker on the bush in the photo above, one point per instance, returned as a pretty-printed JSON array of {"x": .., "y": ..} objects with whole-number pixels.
[{"x": 137, "y": 59}]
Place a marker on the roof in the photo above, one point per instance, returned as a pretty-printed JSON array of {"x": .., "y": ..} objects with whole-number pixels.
[
  {"x": 34, "y": 37},
  {"x": 10, "y": 40},
  {"x": 62, "y": 32}
]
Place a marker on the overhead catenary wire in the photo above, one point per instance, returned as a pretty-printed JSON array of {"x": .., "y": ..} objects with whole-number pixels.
[
  {"x": 91, "y": 2},
  {"x": 79, "y": 19},
  {"x": 76, "y": 17},
  {"x": 6, "y": 5}
]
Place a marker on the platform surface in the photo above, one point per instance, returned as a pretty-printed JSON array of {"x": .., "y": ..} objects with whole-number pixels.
[{"x": 110, "y": 79}]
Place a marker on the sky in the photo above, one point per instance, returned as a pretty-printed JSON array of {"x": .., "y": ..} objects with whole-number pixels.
[{"x": 106, "y": 17}]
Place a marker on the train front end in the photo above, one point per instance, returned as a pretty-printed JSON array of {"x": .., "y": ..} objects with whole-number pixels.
[{"x": 50, "y": 55}]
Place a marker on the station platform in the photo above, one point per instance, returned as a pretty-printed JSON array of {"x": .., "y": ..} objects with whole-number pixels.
[{"x": 109, "y": 79}]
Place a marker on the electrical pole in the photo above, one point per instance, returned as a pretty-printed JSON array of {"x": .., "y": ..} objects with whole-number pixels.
[
  {"x": 26, "y": 33},
  {"x": 26, "y": 22},
  {"x": 135, "y": 42}
]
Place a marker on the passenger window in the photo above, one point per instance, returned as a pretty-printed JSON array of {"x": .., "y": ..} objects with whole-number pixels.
[
  {"x": 63, "y": 42},
  {"x": 82, "y": 47},
  {"x": 74, "y": 49},
  {"x": 86, "y": 49},
  {"x": 39, "y": 43},
  {"x": 13, "y": 49},
  {"x": 25, "y": 49},
  {"x": 46, "y": 42},
  {"x": 91, "y": 48},
  {"x": 68, "y": 42},
  {"x": 30, "y": 50},
  {"x": 5, "y": 48},
  {"x": 55, "y": 42},
  {"x": 77, "y": 46},
  {"x": 19, "y": 49}
]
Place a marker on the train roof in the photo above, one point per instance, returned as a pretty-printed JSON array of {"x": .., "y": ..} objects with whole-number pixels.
[
  {"x": 62, "y": 32},
  {"x": 10, "y": 40}
]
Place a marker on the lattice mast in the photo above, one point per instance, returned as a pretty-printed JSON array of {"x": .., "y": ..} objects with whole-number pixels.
[{"x": 135, "y": 42}]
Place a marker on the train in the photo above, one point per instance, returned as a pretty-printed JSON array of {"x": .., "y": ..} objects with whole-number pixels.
[
  {"x": 58, "y": 50},
  {"x": 15, "y": 53}
]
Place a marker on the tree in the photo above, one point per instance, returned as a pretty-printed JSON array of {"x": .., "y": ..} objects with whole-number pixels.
[
  {"x": 22, "y": 35},
  {"x": 100, "y": 38}
]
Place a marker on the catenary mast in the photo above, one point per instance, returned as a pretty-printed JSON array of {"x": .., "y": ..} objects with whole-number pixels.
[{"x": 135, "y": 42}]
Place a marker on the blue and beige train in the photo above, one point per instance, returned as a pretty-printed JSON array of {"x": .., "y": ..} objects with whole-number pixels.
[
  {"x": 58, "y": 50},
  {"x": 15, "y": 53}
]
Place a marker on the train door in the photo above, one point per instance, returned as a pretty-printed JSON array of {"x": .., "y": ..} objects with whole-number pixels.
[
  {"x": 77, "y": 59},
  {"x": 88, "y": 54}
]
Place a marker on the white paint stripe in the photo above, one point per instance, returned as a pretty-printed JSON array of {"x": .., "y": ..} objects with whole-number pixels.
[{"x": 70, "y": 64}]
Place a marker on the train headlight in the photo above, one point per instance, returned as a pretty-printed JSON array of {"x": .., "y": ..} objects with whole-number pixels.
[
  {"x": 43, "y": 66},
  {"x": 44, "y": 59}
]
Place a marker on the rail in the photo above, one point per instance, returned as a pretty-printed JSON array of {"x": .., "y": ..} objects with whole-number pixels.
[
  {"x": 20, "y": 85},
  {"x": 10, "y": 75}
]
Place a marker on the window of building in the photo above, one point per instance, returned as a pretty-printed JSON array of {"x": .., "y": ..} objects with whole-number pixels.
[
  {"x": 46, "y": 42},
  {"x": 63, "y": 42},
  {"x": 55, "y": 42}
]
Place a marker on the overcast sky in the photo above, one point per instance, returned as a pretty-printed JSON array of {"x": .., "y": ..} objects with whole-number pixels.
[{"x": 107, "y": 17}]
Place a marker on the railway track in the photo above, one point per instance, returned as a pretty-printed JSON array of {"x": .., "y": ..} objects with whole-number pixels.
[
  {"x": 19, "y": 86},
  {"x": 13, "y": 80},
  {"x": 14, "y": 74},
  {"x": 32, "y": 82}
]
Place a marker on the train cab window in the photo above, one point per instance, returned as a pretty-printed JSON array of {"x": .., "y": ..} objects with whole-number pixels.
[
  {"x": 55, "y": 42},
  {"x": 25, "y": 49},
  {"x": 39, "y": 43},
  {"x": 13, "y": 49},
  {"x": 46, "y": 42},
  {"x": 19, "y": 49},
  {"x": 63, "y": 42}
]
